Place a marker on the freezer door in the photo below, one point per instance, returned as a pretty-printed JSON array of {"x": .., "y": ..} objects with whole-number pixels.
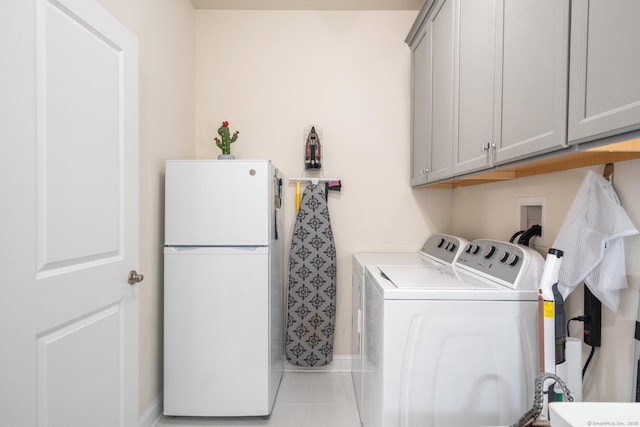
[
  {"x": 217, "y": 203},
  {"x": 216, "y": 332}
]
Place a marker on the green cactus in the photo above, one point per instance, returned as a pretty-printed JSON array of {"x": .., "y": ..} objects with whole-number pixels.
[{"x": 226, "y": 139}]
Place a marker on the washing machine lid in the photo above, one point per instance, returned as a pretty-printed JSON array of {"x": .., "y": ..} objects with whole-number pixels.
[{"x": 444, "y": 283}]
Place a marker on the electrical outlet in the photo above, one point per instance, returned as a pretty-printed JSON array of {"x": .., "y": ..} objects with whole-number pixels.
[{"x": 531, "y": 211}]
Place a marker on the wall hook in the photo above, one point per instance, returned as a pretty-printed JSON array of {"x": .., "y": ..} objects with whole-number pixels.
[{"x": 608, "y": 172}]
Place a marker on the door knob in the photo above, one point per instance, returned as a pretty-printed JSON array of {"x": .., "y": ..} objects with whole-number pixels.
[{"x": 134, "y": 277}]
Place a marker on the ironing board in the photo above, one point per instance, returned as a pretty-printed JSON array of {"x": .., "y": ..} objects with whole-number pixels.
[{"x": 311, "y": 307}]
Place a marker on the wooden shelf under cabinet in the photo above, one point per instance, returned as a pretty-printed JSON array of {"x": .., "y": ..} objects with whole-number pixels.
[{"x": 612, "y": 153}]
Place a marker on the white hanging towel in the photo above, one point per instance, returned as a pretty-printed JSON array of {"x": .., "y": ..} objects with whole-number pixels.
[{"x": 591, "y": 238}]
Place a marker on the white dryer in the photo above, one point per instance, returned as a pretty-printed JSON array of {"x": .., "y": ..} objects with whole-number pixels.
[
  {"x": 438, "y": 250},
  {"x": 447, "y": 346}
]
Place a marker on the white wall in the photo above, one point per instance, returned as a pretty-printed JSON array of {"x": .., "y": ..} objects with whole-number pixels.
[
  {"x": 165, "y": 34},
  {"x": 272, "y": 73},
  {"x": 491, "y": 211}
]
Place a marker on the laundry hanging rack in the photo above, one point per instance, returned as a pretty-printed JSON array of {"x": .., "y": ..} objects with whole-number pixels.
[
  {"x": 313, "y": 163},
  {"x": 313, "y": 180}
]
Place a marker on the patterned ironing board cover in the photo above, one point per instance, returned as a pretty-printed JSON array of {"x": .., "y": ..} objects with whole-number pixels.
[{"x": 311, "y": 307}]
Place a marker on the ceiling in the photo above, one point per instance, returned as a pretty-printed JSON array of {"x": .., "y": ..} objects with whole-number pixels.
[{"x": 309, "y": 4}]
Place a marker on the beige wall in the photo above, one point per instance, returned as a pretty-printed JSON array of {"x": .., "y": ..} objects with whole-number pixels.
[
  {"x": 491, "y": 211},
  {"x": 272, "y": 73},
  {"x": 165, "y": 35}
]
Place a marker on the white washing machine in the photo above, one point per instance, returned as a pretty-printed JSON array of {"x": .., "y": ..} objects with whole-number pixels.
[
  {"x": 438, "y": 250},
  {"x": 452, "y": 346}
]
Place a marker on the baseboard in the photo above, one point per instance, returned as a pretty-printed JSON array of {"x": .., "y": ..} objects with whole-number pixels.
[
  {"x": 339, "y": 364},
  {"x": 152, "y": 414}
]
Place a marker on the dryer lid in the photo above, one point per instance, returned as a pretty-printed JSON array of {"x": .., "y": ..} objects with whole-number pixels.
[{"x": 435, "y": 278}]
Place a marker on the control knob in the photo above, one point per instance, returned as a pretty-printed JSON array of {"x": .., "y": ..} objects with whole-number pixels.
[
  {"x": 490, "y": 251},
  {"x": 439, "y": 245},
  {"x": 513, "y": 260},
  {"x": 503, "y": 256}
]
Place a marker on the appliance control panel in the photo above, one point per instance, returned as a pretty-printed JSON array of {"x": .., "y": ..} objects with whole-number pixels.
[
  {"x": 506, "y": 263},
  {"x": 444, "y": 248}
]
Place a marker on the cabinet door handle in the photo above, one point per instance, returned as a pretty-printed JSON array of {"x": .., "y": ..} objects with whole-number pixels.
[{"x": 488, "y": 147}]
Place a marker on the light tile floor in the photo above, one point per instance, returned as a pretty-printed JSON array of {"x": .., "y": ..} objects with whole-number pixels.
[{"x": 305, "y": 399}]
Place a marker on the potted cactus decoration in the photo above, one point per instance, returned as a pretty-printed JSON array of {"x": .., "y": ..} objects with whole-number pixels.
[{"x": 225, "y": 141}]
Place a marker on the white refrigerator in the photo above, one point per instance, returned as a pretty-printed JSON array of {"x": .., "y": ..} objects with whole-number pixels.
[{"x": 223, "y": 287}]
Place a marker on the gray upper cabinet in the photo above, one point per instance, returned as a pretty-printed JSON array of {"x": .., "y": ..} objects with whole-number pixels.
[
  {"x": 440, "y": 30},
  {"x": 513, "y": 67},
  {"x": 420, "y": 78},
  {"x": 477, "y": 101},
  {"x": 533, "y": 78},
  {"x": 490, "y": 84},
  {"x": 432, "y": 95},
  {"x": 604, "y": 90}
]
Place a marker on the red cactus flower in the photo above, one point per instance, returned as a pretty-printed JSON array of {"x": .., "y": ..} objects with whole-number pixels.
[
  {"x": 215, "y": 139},
  {"x": 225, "y": 124},
  {"x": 237, "y": 131}
]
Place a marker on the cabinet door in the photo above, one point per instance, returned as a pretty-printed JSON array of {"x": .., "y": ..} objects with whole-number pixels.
[
  {"x": 441, "y": 32},
  {"x": 477, "y": 59},
  {"x": 604, "y": 89},
  {"x": 420, "y": 109},
  {"x": 433, "y": 96},
  {"x": 533, "y": 78}
]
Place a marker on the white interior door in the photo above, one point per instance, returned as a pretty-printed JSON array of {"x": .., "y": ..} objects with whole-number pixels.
[{"x": 68, "y": 223}]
